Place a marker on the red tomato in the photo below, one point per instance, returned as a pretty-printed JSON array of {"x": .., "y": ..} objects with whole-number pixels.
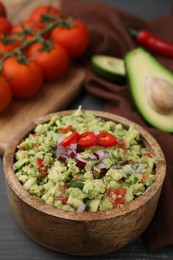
[
  {"x": 7, "y": 44},
  {"x": 66, "y": 129},
  {"x": 5, "y": 94},
  {"x": 41, "y": 167},
  {"x": 74, "y": 38},
  {"x": 121, "y": 143},
  {"x": 5, "y": 25},
  {"x": 106, "y": 139},
  {"x": 3, "y": 11},
  {"x": 70, "y": 139},
  {"x": 87, "y": 139},
  {"x": 61, "y": 198},
  {"x": 24, "y": 79},
  {"x": 53, "y": 62},
  {"x": 116, "y": 196},
  {"x": 44, "y": 13}
]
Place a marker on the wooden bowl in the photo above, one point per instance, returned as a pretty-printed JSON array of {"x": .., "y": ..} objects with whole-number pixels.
[{"x": 83, "y": 233}]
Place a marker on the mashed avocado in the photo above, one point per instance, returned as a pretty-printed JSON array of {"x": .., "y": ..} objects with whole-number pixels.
[{"x": 81, "y": 162}]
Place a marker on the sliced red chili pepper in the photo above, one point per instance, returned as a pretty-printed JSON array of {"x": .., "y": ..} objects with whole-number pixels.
[
  {"x": 41, "y": 167},
  {"x": 70, "y": 139},
  {"x": 66, "y": 129},
  {"x": 116, "y": 196},
  {"x": 106, "y": 139},
  {"x": 87, "y": 139}
]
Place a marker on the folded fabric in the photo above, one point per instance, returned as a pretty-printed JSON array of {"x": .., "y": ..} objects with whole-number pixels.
[{"x": 108, "y": 37}]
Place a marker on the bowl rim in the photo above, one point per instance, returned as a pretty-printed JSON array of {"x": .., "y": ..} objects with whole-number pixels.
[{"x": 39, "y": 205}]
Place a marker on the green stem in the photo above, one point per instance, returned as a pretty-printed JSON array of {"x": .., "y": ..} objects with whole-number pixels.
[
  {"x": 48, "y": 28},
  {"x": 130, "y": 30}
]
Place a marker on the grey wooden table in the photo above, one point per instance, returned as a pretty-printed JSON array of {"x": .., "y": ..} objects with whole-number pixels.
[{"x": 14, "y": 243}]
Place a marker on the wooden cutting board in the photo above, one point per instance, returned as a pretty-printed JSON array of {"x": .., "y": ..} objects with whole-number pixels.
[{"x": 52, "y": 96}]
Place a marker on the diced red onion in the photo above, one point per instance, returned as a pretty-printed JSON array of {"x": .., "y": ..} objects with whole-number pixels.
[
  {"x": 93, "y": 157},
  {"x": 60, "y": 139},
  {"x": 81, "y": 208},
  {"x": 63, "y": 158},
  {"x": 106, "y": 155},
  {"x": 79, "y": 149},
  {"x": 96, "y": 132},
  {"x": 103, "y": 172},
  {"x": 72, "y": 154},
  {"x": 60, "y": 150},
  {"x": 101, "y": 165},
  {"x": 73, "y": 146},
  {"x": 78, "y": 156},
  {"x": 99, "y": 154},
  {"x": 81, "y": 164}
]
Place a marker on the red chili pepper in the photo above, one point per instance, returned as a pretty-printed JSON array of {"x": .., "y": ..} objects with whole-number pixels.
[{"x": 147, "y": 39}]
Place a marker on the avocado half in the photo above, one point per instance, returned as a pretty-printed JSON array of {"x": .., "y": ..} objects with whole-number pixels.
[
  {"x": 141, "y": 65},
  {"x": 109, "y": 68}
]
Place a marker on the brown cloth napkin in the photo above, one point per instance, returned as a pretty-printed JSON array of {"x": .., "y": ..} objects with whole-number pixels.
[{"x": 108, "y": 37}]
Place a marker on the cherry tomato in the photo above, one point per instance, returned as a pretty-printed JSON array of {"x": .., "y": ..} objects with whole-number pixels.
[
  {"x": 24, "y": 79},
  {"x": 116, "y": 196},
  {"x": 44, "y": 13},
  {"x": 3, "y": 11},
  {"x": 5, "y": 25},
  {"x": 8, "y": 44},
  {"x": 41, "y": 167},
  {"x": 5, "y": 94},
  {"x": 106, "y": 139},
  {"x": 87, "y": 139},
  {"x": 53, "y": 62},
  {"x": 70, "y": 139},
  {"x": 75, "y": 37}
]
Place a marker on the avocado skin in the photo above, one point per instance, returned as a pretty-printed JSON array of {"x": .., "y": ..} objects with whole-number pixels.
[
  {"x": 113, "y": 77},
  {"x": 136, "y": 62}
]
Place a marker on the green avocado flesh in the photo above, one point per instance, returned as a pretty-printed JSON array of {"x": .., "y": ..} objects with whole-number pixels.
[
  {"x": 140, "y": 65},
  {"x": 109, "y": 68}
]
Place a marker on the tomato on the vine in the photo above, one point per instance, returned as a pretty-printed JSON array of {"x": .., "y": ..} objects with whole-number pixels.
[
  {"x": 53, "y": 61},
  {"x": 73, "y": 36},
  {"x": 24, "y": 78},
  {"x": 8, "y": 43},
  {"x": 44, "y": 13},
  {"x": 5, "y": 25},
  {"x": 26, "y": 30},
  {"x": 3, "y": 11},
  {"x": 5, "y": 94}
]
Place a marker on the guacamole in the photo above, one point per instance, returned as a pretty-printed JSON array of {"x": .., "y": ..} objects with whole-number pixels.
[{"x": 81, "y": 162}]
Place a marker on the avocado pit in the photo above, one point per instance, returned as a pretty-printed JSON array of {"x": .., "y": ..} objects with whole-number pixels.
[{"x": 159, "y": 93}]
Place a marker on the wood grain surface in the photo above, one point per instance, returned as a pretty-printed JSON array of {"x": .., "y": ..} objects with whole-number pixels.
[{"x": 53, "y": 96}]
